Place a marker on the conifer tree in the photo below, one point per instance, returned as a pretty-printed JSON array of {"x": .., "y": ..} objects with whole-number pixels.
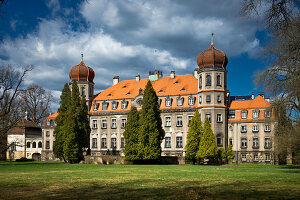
[
  {"x": 229, "y": 153},
  {"x": 151, "y": 132},
  {"x": 131, "y": 135},
  {"x": 60, "y": 121},
  {"x": 83, "y": 123},
  {"x": 207, "y": 145},
  {"x": 193, "y": 137}
]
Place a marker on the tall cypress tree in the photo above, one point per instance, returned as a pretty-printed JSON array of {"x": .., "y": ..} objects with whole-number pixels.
[
  {"x": 131, "y": 135},
  {"x": 151, "y": 131},
  {"x": 83, "y": 123},
  {"x": 207, "y": 145},
  {"x": 60, "y": 122},
  {"x": 193, "y": 137}
]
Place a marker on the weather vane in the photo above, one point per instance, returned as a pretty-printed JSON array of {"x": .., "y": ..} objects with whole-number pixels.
[
  {"x": 81, "y": 56},
  {"x": 212, "y": 39}
]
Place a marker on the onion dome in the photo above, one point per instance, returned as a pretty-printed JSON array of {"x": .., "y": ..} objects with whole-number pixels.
[
  {"x": 212, "y": 57},
  {"x": 82, "y": 72}
]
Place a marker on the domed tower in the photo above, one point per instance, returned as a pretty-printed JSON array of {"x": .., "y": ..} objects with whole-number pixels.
[
  {"x": 212, "y": 90},
  {"x": 84, "y": 75}
]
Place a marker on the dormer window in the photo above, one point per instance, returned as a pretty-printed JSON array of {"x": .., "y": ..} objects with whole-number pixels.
[
  {"x": 208, "y": 80},
  {"x": 179, "y": 101},
  {"x": 114, "y": 105},
  {"x": 109, "y": 95},
  {"x": 244, "y": 114},
  {"x": 267, "y": 113},
  {"x": 124, "y": 104},
  {"x": 255, "y": 114},
  {"x": 104, "y": 106},
  {"x": 95, "y": 106},
  {"x": 183, "y": 89},
  {"x": 176, "y": 82},
  {"x": 191, "y": 100},
  {"x": 124, "y": 86},
  {"x": 48, "y": 122},
  {"x": 168, "y": 102}
]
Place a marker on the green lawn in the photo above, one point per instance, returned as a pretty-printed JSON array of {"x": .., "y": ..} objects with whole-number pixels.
[{"x": 41, "y": 180}]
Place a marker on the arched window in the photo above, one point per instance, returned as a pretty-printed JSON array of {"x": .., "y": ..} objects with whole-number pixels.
[
  {"x": 208, "y": 80},
  {"x": 28, "y": 145},
  {"x": 200, "y": 81},
  {"x": 218, "y": 80},
  {"x": 40, "y": 145},
  {"x": 82, "y": 91},
  {"x": 34, "y": 145}
]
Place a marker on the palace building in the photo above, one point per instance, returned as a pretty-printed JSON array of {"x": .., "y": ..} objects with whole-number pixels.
[{"x": 245, "y": 122}]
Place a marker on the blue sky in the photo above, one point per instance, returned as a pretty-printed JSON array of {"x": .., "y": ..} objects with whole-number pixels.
[{"x": 127, "y": 38}]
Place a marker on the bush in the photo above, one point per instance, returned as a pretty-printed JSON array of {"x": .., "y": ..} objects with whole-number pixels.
[{"x": 23, "y": 159}]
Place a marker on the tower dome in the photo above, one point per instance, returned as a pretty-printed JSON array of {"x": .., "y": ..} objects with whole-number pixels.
[
  {"x": 212, "y": 57},
  {"x": 81, "y": 72}
]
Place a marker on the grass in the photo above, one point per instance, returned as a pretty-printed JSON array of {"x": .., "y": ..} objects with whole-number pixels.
[{"x": 51, "y": 180}]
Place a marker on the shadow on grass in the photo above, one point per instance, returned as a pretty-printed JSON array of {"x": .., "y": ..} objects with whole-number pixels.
[{"x": 149, "y": 189}]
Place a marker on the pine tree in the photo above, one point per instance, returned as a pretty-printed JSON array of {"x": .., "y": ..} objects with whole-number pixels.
[
  {"x": 151, "y": 132},
  {"x": 221, "y": 154},
  {"x": 131, "y": 135},
  {"x": 229, "y": 153},
  {"x": 193, "y": 137},
  {"x": 207, "y": 145},
  {"x": 83, "y": 123},
  {"x": 60, "y": 121}
]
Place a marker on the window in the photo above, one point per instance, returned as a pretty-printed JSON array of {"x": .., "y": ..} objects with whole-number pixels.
[
  {"x": 230, "y": 141},
  {"x": 113, "y": 123},
  {"x": 231, "y": 114},
  {"x": 244, "y": 114},
  {"x": 168, "y": 121},
  {"x": 48, "y": 122},
  {"x": 168, "y": 102},
  {"x": 114, "y": 105},
  {"x": 267, "y": 128},
  {"x": 218, "y": 80},
  {"x": 244, "y": 142},
  {"x": 219, "y": 99},
  {"x": 94, "y": 124},
  {"x": 200, "y": 81},
  {"x": 104, "y": 123},
  {"x": 95, "y": 106},
  {"x": 219, "y": 140},
  {"x": 255, "y": 158},
  {"x": 179, "y": 142},
  {"x": 34, "y": 145},
  {"x": 122, "y": 142},
  {"x": 208, "y": 80},
  {"x": 179, "y": 101},
  {"x": 103, "y": 143},
  {"x": 104, "y": 106},
  {"x": 191, "y": 101},
  {"x": 255, "y": 143},
  {"x": 190, "y": 119},
  {"x": 94, "y": 143},
  {"x": 179, "y": 121},
  {"x": 244, "y": 158},
  {"x": 40, "y": 145},
  {"x": 28, "y": 145},
  {"x": 47, "y": 133},
  {"x": 267, "y": 113},
  {"x": 207, "y": 98},
  {"x": 268, "y": 158},
  {"x": 268, "y": 143},
  {"x": 124, "y": 104},
  {"x": 167, "y": 142},
  {"x": 244, "y": 129},
  {"x": 200, "y": 99},
  {"x": 254, "y": 128},
  {"x": 113, "y": 142},
  {"x": 208, "y": 116},
  {"x": 255, "y": 114},
  {"x": 47, "y": 144},
  {"x": 139, "y": 102},
  {"x": 13, "y": 147},
  {"x": 123, "y": 123},
  {"x": 219, "y": 118},
  {"x": 82, "y": 91}
]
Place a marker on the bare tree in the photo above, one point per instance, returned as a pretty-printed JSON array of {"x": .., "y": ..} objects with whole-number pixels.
[
  {"x": 10, "y": 111},
  {"x": 36, "y": 102}
]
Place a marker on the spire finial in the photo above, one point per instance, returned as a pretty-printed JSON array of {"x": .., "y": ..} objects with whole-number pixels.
[
  {"x": 212, "y": 39},
  {"x": 81, "y": 56},
  {"x": 26, "y": 115}
]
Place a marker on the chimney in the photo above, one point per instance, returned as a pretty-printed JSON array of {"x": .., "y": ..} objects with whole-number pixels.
[
  {"x": 115, "y": 80},
  {"x": 252, "y": 95},
  {"x": 172, "y": 75},
  {"x": 195, "y": 72},
  {"x": 262, "y": 95},
  {"x": 138, "y": 78}
]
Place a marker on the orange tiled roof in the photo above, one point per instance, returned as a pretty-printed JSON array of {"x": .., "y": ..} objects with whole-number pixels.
[
  {"x": 257, "y": 102},
  {"x": 53, "y": 116}
]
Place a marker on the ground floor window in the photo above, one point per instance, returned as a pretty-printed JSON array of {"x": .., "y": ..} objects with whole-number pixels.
[
  {"x": 167, "y": 142},
  {"x": 255, "y": 158},
  {"x": 94, "y": 143},
  {"x": 113, "y": 142},
  {"x": 122, "y": 142},
  {"x": 103, "y": 143},
  {"x": 230, "y": 141},
  {"x": 268, "y": 158},
  {"x": 47, "y": 144},
  {"x": 244, "y": 158},
  {"x": 40, "y": 145},
  {"x": 179, "y": 142}
]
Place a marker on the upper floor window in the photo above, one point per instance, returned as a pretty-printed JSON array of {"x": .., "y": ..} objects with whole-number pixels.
[
  {"x": 244, "y": 143},
  {"x": 255, "y": 143},
  {"x": 95, "y": 106},
  {"x": 104, "y": 106},
  {"x": 47, "y": 133},
  {"x": 268, "y": 143},
  {"x": 208, "y": 80},
  {"x": 95, "y": 124},
  {"x": 267, "y": 127},
  {"x": 114, "y": 105},
  {"x": 122, "y": 142},
  {"x": 168, "y": 102},
  {"x": 167, "y": 142},
  {"x": 255, "y": 128},
  {"x": 244, "y": 114},
  {"x": 200, "y": 99},
  {"x": 200, "y": 81},
  {"x": 179, "y": 101},
  {"x": 208, "y": 98},
  {"x": 168, "y": 121},
  {"x": 191, "y": 100},
  {"x": 267, "y": 113},
  {"x": 231, "y": 114},
  {"x": 208, "y": 116},
  {"x": 219, "y": 140},
  {"x": 190, "y": 117},
  {"x": 179, "y": 121},
  {"x": 104, "y": 123},
  {"x": 244, "y": 129},
  {"x": 219, "y": 118},
  {"x": 219, "y": 99},
  {"x": 34, "y": 145},
  {"x": 179, "y": 142},
  {"x": 231, "y": 141},
  {"x": 218, "y": 80},
  {"x": 123, "y": 123},
  {"x": 124, "y": 104},
  {"x": 114, "y": 123},
  {"x": 82, "y": 91},
  {"x": 255, "y": 114},
  {"x": 48, "y": 122},
  {"x": 47, "y": 144}
]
